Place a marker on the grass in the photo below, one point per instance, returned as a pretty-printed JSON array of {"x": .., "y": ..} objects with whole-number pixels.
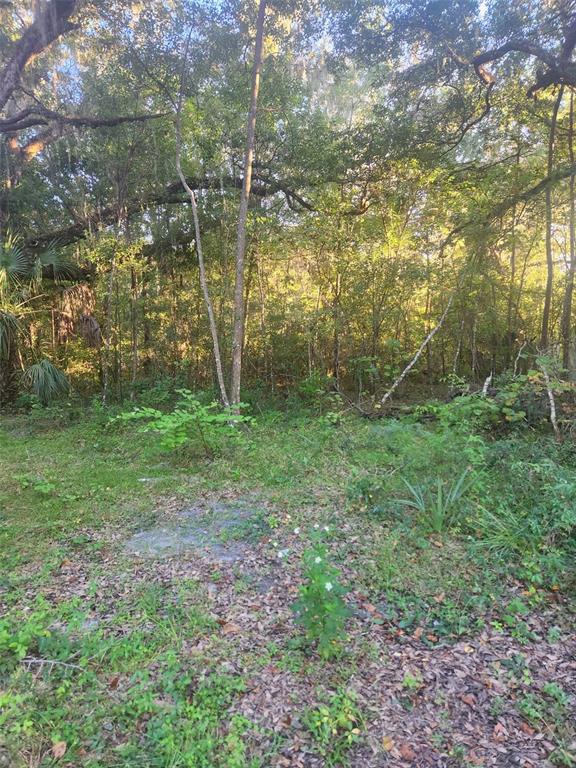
[{"x": 131, "y": 667}]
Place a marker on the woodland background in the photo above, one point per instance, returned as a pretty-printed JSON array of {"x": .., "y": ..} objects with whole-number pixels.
[{"x": 409, "y": 157}]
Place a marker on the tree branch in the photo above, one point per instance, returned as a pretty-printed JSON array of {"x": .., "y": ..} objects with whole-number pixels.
[
  {"x": 52, "y": 20},
  {"x": 172, "y": 194}
]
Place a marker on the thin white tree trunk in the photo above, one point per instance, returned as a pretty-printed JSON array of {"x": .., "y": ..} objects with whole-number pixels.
[
  {"x": 108, "y": 333},
  {"x": 418, "y": 354},
  {"x": 239, "y": 306},
  {"x": 544, "y": 336},
  {"x": 551, "y": 400},
  {"x": 199, "y": 251}
]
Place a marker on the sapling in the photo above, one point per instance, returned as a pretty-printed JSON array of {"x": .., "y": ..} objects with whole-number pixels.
[{"x": 320, "y": 608}]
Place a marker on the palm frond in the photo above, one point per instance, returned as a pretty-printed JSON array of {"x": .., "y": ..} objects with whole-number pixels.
[
  {"x": 14, "y": 263},
  {"x": 54, "y": 265},
  {"x": 46, "y": 380}
]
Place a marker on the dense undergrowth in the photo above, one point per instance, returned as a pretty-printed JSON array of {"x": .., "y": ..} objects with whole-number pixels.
[{"x": 461, "y": 517}]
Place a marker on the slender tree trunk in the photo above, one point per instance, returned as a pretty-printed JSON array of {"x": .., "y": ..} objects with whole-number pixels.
[
  {"x": 108, "y": 333},
  {"x": 9, "y": 373},
  {"x": 458, "y": 348},
  {"x": 474, "y": 362},
  {"x": 238, "y": 330},
  {"x": 509, "y": 329},
  {"x": 567, "y": 350},
  {"x": 427, "y": 320},
  {"x": 418, "y": 354},
  {"x": 146, "y": 325},
  {"x": 134, "y": 330},
  {"x": 118, "y": 341},
  {"x": 336, "y": 333},
  {"x": 199, "y": 251},
  {"x": 544, "y": 336}
]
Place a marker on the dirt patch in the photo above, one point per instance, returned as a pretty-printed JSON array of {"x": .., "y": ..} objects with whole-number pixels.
[{"x": 223, "y": 531}]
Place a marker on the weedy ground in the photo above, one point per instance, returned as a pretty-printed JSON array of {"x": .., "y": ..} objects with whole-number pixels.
[{"x": 456, "y": 548}]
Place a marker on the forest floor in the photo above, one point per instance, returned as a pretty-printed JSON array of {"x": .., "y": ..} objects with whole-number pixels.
[{"x": 147, "y": 621}]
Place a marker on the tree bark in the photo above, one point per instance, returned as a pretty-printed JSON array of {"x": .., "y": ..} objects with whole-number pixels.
[
  {"x": 418, "y": 354},
  {"x": 568, "y": 361},
  {"x": 544, "y": 336},
  {"x": 9, "y": 373},
  {"x": 108, "y": 333},
  {"x": 239, "y": 307},
  {"x": 52, "y": 19},
  {"x": 510, "y": 331},
  {"x": 134, "y": 330},
  {"x": 199, "y": 250}
]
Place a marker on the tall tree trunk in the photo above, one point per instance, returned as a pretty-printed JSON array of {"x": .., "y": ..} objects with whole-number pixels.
[
  {"x": 134, "y": 330},
  {"x": 336, "y": 331},
  {"x": 238, "y": 330},
  {"x": 549, "y": 254},
  {"x": 568, "y": 361},
  {"x": 9, "y": 372},
  {"x": 108, "y": 333},
  {"x": 510, "y": 331},
  {"x": 199, "y": 250}
]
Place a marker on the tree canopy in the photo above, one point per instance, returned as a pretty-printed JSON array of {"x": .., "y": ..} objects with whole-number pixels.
[{"x": 408, "y": 156}]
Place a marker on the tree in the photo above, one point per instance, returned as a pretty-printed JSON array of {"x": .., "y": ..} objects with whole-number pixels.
[{"x": 239, "y": 307}]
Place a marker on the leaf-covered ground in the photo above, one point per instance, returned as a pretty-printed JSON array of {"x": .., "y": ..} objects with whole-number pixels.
[{"x": 114, "y": 657}]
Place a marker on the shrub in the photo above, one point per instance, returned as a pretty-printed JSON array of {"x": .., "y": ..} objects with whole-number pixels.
[
  {"x": 437, "y": 509},
  {"x": 320, "y": 608},
  {"x": 335, "y": 726},
  {"x": 45, "y": 380},
  {"x": 190, "y": 420}
]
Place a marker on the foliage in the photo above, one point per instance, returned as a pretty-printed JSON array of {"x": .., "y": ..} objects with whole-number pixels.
[
  {"x": 320, "y": 608},
  {"x": 46, "y": 381},
  {"x": 194, "y": 731},
  {"x": 518, "y": 402},
  {"x": 335, "y": 726},
  {"x": 153, "y": 676},
  {"x": 189, "y": 421},
  {"x": 437, "y": 508}
]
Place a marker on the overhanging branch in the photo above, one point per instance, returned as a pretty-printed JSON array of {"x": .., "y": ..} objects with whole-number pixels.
[
  {"x": 170, "y": 195},
  {"x": 52, "y": 19}
]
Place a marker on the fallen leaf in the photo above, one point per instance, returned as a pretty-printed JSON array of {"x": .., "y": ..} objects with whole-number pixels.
[
  {"x": 59, "y": 749},
  {"x": 469, "y": 699},
  {"x": 230, "y": 628},
  {"x": 407, "y": 752},
  {"x": 113, "y": 682},
  {"x": 499, "y": 732},
  {"x": 387, "y": 743}
]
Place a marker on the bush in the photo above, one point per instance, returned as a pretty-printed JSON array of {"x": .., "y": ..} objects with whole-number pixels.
[
  {"x": 320, "y": 608},
  {"x": 437, "y": 508},
  {"x": 335, "y": 727},
  {"x": 189, "y": 421}
]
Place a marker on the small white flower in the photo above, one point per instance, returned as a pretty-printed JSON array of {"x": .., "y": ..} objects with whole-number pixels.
[
  {"x": 296, "y": 531},
  {"x": 316, "y": 526},
  {"x": 317, "y": 560},
  {"x": 326, "y": 528},
  {"x": 328, "y": 586},
  {"x": 283, "y": 553},
  {"x": 274, "y": 544}
]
